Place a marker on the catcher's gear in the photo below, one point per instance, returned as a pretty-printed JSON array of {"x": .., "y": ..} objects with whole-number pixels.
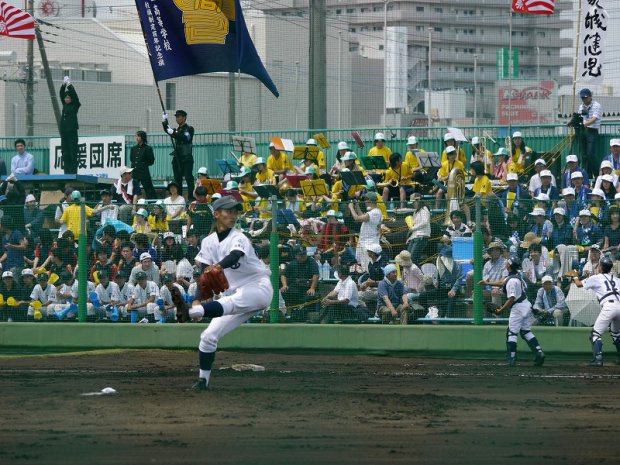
[
  {"x": 212, "y": 281},
  {"x": 606, "y": 264},
  {"x": 180, "y": 304}
]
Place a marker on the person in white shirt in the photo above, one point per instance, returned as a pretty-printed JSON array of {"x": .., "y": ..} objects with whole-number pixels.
[
  {"x": 607, "y": 289},
  {"x": 107, "y": 291},
  {"x": 142, "y": 301},
  {"x": 419, "y": 228},
  {"x": 125, "y": 291},
  {"x": 592, "y": 113},
  {"x": 106, "y": 201},
  {"x": 341, "y": 303},
  {"x": 23, "y": 162},
  {"x": 44, "y": 293},
  {"x": 370, "y": 229}
]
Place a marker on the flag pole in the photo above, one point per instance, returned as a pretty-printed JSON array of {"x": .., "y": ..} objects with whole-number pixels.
[
  {"x": 510, "y": 71},
  {"x": 572, "y": 104}
]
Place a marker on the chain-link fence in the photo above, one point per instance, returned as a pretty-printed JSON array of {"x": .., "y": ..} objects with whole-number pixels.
[{"x": 371, "y": 258}]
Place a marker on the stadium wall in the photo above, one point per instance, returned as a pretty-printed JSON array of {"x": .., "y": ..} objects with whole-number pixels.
[{"x": 361, "y": 339}]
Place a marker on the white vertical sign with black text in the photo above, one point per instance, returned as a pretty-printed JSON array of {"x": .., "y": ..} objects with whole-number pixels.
[
  {"x": 97, "y": 156},
  {"x": 594, "y": 22}
]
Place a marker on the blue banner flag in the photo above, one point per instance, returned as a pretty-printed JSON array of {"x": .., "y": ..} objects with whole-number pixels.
[{"x": 186, "y": 37}]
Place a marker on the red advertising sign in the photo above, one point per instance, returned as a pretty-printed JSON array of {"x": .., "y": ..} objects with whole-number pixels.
[{"x": 531, "y": 102}]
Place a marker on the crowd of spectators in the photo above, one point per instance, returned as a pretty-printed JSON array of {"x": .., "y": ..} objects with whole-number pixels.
[{"x": 380, "y": 251}]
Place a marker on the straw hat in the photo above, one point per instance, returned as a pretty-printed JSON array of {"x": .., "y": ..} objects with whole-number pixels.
[
  {"x": 404, "y": 259},
  {"x": 529, "y": 239}
]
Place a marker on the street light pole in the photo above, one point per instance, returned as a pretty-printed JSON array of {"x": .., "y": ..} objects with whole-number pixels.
[
  {"x": 475, "y": 90},
  {"x": 538, "y": 78},
  {"x": 385, "y": 5},
  {"x": 430, "y": 87}
]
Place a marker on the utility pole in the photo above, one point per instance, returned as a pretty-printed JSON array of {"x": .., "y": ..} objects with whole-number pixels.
[
  {"x": 232, "y": 97},
  {"x": 430, "y": 87},
  {"x": 475, "y": 90},
  {"x": 385, "y": 58},
  {"x": 30, "y": 79},
  {"x": 48, "y": 76},
  {"x": 317, "y": 78}
]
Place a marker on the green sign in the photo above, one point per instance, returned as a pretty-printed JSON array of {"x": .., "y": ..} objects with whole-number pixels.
[{"x": 506, "y": 67}]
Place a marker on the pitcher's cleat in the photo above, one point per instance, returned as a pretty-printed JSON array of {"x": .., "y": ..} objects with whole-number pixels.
[
  {"x": 596, "y": 362},
  {"x": 200, "y": 385},
  {"x": 540, "y": 359},
  {"x": 512, "y": 362}
]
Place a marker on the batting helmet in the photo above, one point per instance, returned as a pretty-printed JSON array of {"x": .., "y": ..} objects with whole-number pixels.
[{"x": 606, "y": 264}]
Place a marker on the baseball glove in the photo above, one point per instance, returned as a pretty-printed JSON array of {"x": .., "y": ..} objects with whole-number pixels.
[
  {"x": 212, "y": 281},
  {"x": 492, "y": 308},
  {"x": 180, "y": 304}
]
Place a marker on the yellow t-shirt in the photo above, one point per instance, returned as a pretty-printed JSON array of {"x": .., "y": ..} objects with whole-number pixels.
[
  {"x": 398, "y": 174},
  {"x": 247, "y": 200},
  {"x": 267, "y": 177},
  {"x": 412, "y": 160},
  {"x": 460, "y": 157},
  {"x": 446, "y": 168},
  {"x": 143, "y": 228},
  {"x": 385, "y": 152},
  {"x": 322, "y": 162},
  {"x": 337, "y": 187},
  {"x": 248, "y": 160},
  {"x": 482, "y": 185},
  {"x": 158, "y": 225},
  {"x": 517, "y": 161},
  {"x": 282, "y": 163},
  {"x": 72, "y": 217}
]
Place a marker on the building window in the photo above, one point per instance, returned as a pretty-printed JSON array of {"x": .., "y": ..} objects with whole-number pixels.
[
  {"x": 171, "y": 95},
  {"x": 541, "y": 33},
  {"x": 338, "y": 11},
  {"x": 438, "y": 10},
  {"x": 350, "y": 10},
  {"x": 353, "y": 48},
  {"x": 380, "y": 47},
  {"x": 351, "y": 29},
  {"x": 377, "y": 28},
  {"x": 419, "y": 8},
  {"x": 377, "y": 8},
  {"x": 364, "y": 10},
  {"x": 438, "y": 29},
  {"x": 419, "y": 28}
]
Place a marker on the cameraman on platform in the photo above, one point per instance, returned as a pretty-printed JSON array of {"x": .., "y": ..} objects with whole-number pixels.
[{"x": 591, "y": 112}]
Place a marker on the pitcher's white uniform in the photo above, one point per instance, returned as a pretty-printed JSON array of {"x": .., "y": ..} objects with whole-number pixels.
[
  {"x": 607, "y": 289},
  {"x": 250, "y": 285}
]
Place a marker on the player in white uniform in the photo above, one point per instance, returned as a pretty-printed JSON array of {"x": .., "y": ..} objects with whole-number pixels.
[
  {"x": 165, "y": 294},
  {"x": 143, "y": 298},
  {"x": 44, "y": 293},
  {"x": 607, "y": 289},
  {"x": 520, "y": 319},
  {"x": 126, "y": 292},
  {"x": 249, "y": 279},
  {"x": 107, "y": 291}
]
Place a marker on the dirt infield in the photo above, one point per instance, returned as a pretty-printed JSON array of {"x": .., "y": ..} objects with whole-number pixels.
[{"x": 305, "y": 409}]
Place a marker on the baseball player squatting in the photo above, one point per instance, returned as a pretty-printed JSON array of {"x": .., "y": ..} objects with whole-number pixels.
[
  {"x": 230, "y": 263},
  {"x": 520, "y": 319},
  {"x": 607, "y": 289}
]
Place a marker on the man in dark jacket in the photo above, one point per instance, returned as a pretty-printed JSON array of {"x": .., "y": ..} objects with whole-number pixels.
[
  {"x": 69, "y": 126},
  {"x": 141, "y": 157},
  {"x": 182, "y": 158}
]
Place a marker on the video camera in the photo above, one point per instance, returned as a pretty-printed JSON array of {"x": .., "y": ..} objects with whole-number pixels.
[{"x": 576, "y": 121}]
